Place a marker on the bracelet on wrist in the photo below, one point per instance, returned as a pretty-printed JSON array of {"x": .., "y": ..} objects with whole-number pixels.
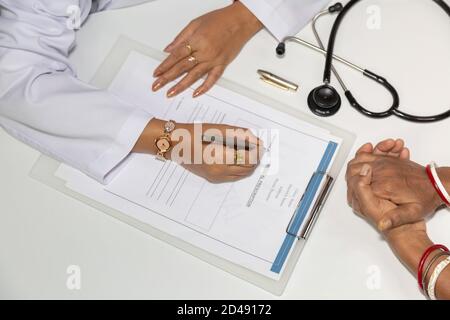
[
  {"x": 431, "y": 289},
  {"x": 437, "y": 183},
  {"x": 424, "y": 258},
  {"x": 427, "y": 270}
]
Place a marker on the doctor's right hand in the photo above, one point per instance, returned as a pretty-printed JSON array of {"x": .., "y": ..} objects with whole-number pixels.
[{"x": 213, "y": 161}]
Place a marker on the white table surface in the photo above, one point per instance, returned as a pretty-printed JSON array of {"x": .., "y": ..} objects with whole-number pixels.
[{"x": 42, "y": 231}]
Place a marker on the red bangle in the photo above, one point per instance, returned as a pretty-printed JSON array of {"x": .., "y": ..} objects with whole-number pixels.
[
  {"x": 435, "y": 185},
  {"x": 424, "y": 259}
]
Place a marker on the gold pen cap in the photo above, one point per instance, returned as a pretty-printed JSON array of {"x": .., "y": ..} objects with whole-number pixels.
[{"x": 277, "y": 81}]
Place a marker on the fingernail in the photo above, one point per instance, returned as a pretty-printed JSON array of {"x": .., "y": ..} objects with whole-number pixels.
[
  {"x": 197, "y": 93},
  {"x": 171, "y": 93},
  {"x": 385, "y": 225},
  {"x": 157, "y": 85},
  {"x": 364, "y": 170},
  {"x": 168, "y": 48}
]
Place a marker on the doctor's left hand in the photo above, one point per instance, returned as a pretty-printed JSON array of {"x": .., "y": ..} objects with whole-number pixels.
[{"x": 205, "y": 48}]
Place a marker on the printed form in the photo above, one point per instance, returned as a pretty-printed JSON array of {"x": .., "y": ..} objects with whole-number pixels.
[{"x": 244, "y": 222}]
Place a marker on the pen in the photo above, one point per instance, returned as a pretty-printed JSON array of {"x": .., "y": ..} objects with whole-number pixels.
[
  {"x": 275, "y": 84},
  {"x": 277, "y": 81},
  {"x": 231, "y": 143}
]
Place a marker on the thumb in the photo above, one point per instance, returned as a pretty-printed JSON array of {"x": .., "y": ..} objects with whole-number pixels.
[
  {"x": 363, "y": 191},
  {"x": 403, "y": 214}
]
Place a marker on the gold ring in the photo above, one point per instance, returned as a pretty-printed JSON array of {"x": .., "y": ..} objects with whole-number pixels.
[
  {"x": 188, "y": 46},
  {"x": 192, "y": 59},
  {"x": 239, "y": 157}
]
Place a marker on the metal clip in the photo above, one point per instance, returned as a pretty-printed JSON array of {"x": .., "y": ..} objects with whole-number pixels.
[
  {"x": 318, "y": 205},
  {"x": 324, "y": 192}
]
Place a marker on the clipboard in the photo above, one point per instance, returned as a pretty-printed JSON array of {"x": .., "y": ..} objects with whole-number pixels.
[{"x": 44, "y": 171}]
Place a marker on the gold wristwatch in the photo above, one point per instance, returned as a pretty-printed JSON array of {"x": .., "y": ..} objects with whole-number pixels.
[{"x": 164, "y": 142}]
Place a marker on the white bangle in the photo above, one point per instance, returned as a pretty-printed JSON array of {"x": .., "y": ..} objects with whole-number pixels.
[
  {"x": 435, "y": 276},
  {"x": 439, "y": 182}
]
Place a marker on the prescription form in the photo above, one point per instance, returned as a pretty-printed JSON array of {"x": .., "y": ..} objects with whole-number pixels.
[{"x": 244, "y": 222}]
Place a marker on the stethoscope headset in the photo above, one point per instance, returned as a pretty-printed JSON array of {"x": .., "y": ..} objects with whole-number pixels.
[{"x": 325, "y": 100}]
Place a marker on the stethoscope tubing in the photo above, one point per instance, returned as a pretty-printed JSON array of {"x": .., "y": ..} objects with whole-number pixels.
[
  {"x": 322, "y": 46},
  {"x": 324, "y": 52},
  {"x": 347, "y": 92},
  {"x": 369, "y": 74},
  {"x": 394, "y": 110},
  {"x": 352, "y": 100},
  {"x": 330, "y": 56}
]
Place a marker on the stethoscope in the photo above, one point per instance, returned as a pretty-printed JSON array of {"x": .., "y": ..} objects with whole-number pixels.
[{"x": 325, "y": 100}]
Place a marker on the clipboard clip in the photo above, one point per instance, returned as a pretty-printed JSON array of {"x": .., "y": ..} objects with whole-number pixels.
[{"x": 316, "y": 209}]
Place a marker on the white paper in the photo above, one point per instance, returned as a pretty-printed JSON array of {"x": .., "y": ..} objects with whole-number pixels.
[{"x": 244, "y": 222}]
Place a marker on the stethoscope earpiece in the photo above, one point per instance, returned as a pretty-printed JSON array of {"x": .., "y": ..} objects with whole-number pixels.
[
  {"x": 281, "y": 49},
  {"x": 338, "y": 7},
  {"x": 324, "y": 101}
]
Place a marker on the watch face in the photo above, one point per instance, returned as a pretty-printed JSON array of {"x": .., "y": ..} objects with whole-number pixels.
[
  {"x": 169, "y": 126},
  {"x": 163, "y": 144}
]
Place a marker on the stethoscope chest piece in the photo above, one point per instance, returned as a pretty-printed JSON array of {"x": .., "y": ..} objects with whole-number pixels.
[{"x": 324, "y": 101}]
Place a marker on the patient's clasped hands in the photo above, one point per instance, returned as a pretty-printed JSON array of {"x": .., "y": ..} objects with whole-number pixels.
[
  {"x": 396, "y": 195},
  {"x": 389, "y": 189}
]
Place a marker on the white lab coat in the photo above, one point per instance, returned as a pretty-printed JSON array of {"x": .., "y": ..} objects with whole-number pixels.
[{"x": 43, "y": 104}]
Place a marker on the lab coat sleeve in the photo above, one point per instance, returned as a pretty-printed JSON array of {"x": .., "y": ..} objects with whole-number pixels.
[
  {"x": 284, "y": 17},
  {"x": 43, "y": 104},
  {"x": 102, "y": 5}
]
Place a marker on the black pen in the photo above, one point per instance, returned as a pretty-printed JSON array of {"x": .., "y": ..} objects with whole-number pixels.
[{"x": 231, "y": 143}]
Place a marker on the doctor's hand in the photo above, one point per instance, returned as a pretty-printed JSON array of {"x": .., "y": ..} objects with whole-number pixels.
[
  {"x": 205, "y": 48},
  {"x": 213, "y": 161}
]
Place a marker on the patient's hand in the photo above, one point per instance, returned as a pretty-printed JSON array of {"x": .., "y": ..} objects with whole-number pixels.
[
  {"x": 390, "y": 147},
  {"x": 372, "y": 207},
  {"x": 213, "y": 40},
  {"x": 409, "y": 240},
  {"x": 405, "y": 183},
  {"x": 362, "y": 195},
  {"x": 401, "y": 181}
]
